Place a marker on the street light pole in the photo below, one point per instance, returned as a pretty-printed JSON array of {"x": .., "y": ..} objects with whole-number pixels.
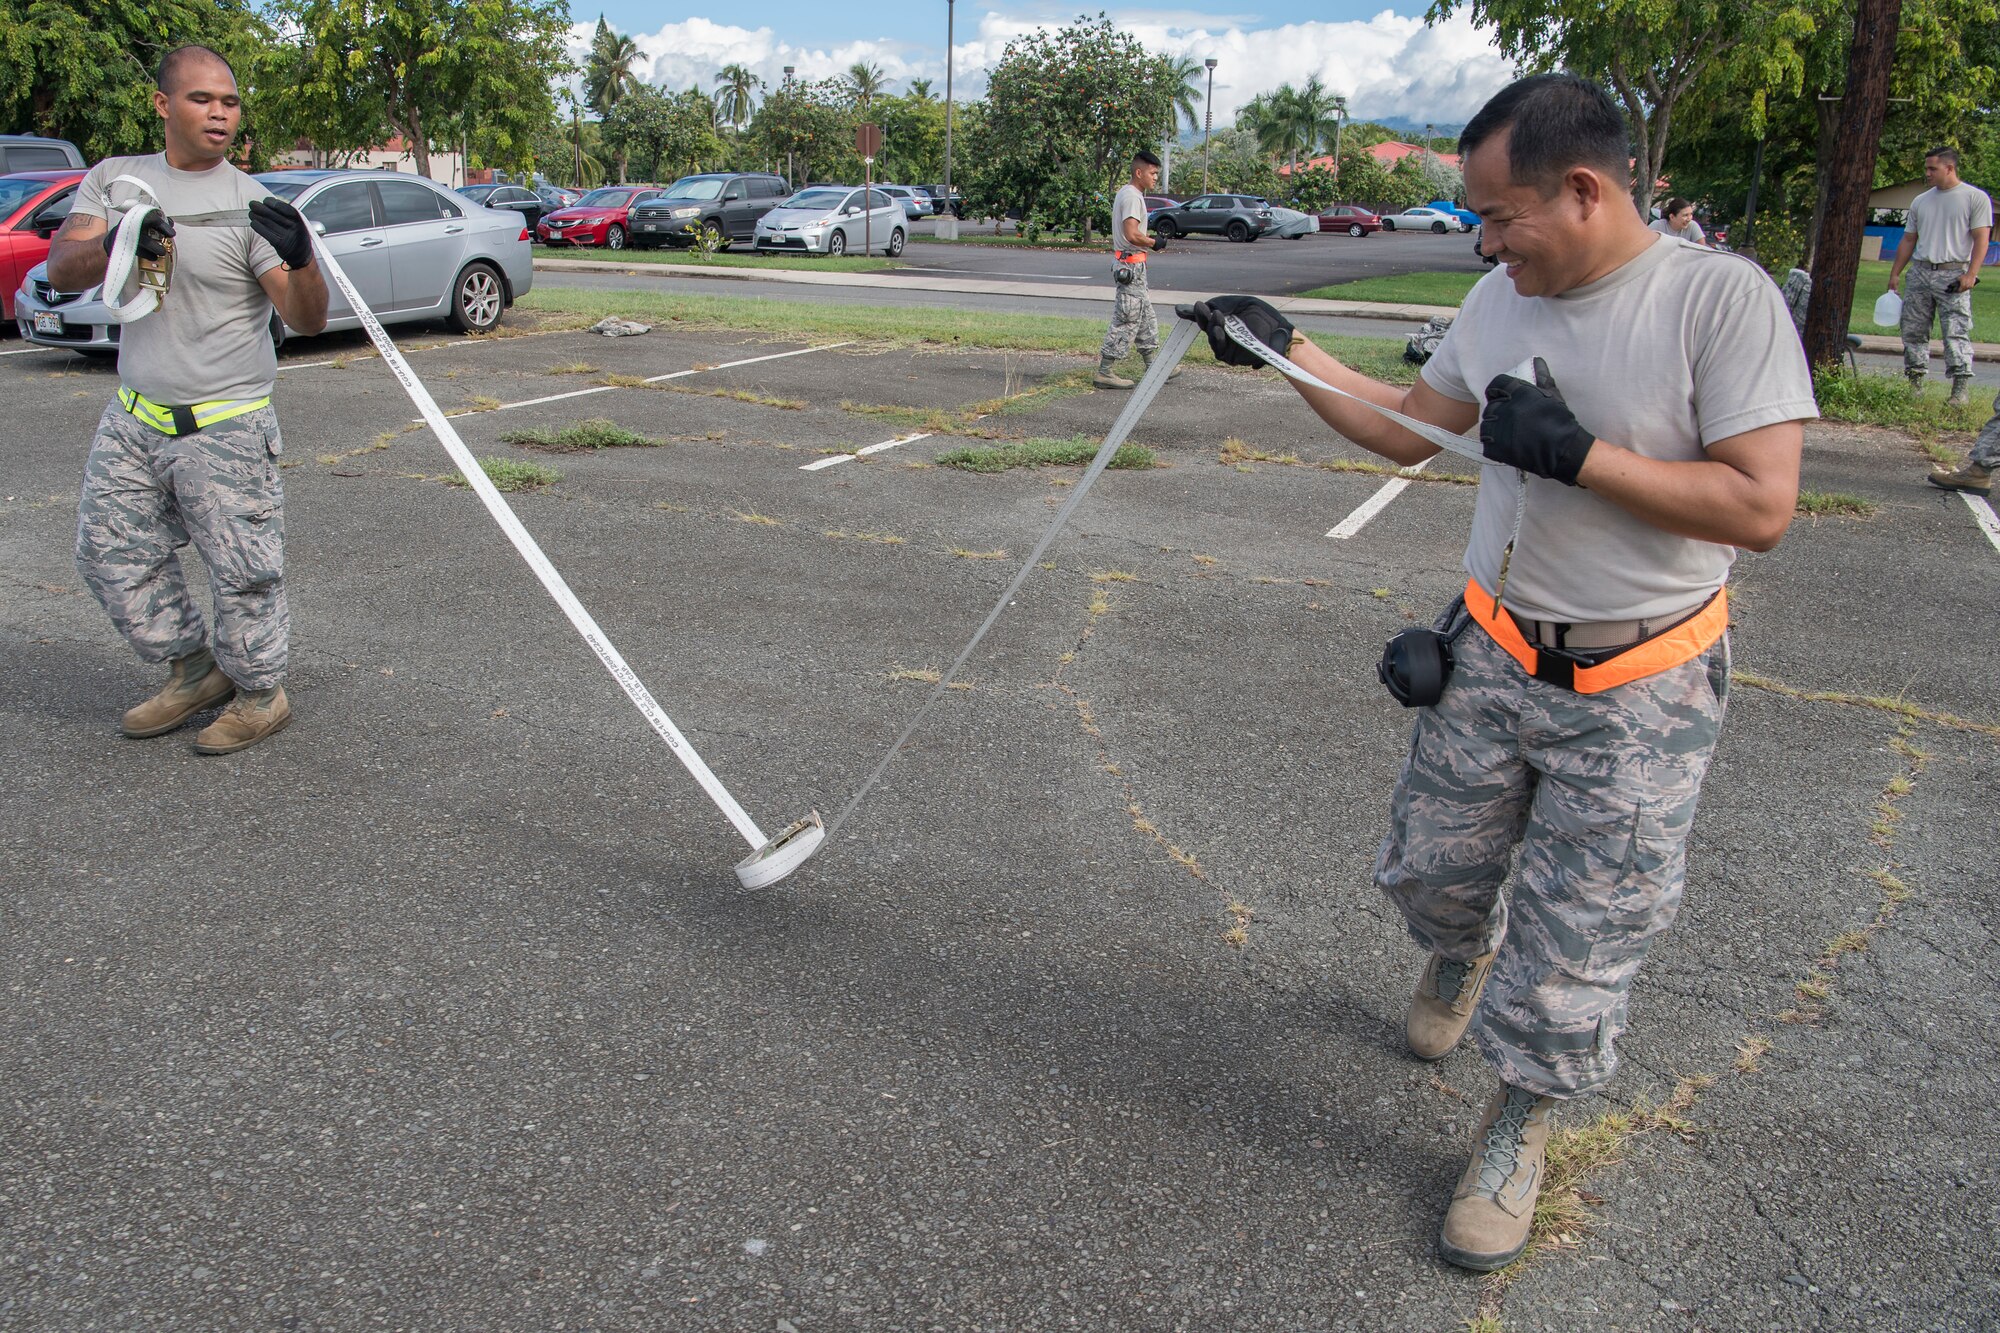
[
  {"x": 789, "y": 178},
  {"x": 947, "y": 221},
  {"x": 1207, "y": 121},
  {"x": 1339, "y": 118}
]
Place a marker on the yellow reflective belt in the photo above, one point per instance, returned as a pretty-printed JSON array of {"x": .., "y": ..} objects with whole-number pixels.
[{"x": 184, "y": 420}]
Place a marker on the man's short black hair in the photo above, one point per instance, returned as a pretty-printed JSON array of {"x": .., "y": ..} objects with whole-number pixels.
[
  {"x": 1146, "y": 155},
  {"x": 1949, "y": 155},
  {"x": 174, "y": 60},
  {"x": 1559, "y": 121}
]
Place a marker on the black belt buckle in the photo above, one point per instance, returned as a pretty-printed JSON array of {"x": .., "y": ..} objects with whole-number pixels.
[{"x": 184, "y": 422}]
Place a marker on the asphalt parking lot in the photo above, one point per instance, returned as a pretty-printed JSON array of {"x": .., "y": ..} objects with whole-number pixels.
[{"x": 443, "y": 1010}]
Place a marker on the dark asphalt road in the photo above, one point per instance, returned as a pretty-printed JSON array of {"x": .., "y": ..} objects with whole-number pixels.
[{"x": 442, "y": 1010}]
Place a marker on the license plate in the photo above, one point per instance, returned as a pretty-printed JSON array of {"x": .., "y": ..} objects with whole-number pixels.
[
  {"x": 48, "y": 321},
  {"x": 648, "y": 226}
]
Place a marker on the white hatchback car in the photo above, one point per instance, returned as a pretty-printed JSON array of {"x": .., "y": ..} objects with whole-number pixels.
[
  {"x": 834, "y": 220},
  {"x": 1423, "y": 219}
]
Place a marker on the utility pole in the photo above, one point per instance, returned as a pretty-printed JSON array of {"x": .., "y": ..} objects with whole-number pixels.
[
  {"x": 1207, "y": 121},
  {"x": 1861, "y": 114},
  {"x": 947, "y": 221},
  {"x": 789, "y": 178},
  {"x": 1339, "y": 118}
]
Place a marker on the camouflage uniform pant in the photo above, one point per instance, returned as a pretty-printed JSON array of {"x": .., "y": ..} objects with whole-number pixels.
[
  {"x": 146, "y": 495},
  {"x": 1925, "y": 297},
  {"x": 1986, "y": 445},
  {"x": 1132, "y": 318},
  {"x": 1597, "y": 791}
]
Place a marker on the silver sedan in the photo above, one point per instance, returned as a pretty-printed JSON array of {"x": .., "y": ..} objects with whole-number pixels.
[{"x": 413, "y": 249}]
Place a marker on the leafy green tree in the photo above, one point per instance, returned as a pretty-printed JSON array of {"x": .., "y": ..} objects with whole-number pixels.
[
  {"x": 1065, "y": 111},
  {"x": 1650, "y": 53},
  {"x": 1366, "y": 182},
  {"x": 665, "y": 134},
  {"x": 920, "y": 90},
  {"x": 571, "y": 152},
  {"x": 420, "y": 65},
  {"x": 813, "y": 125},
  {"x": 82, "y": 70},
  {"x": 912, "y": 139},
  {"x": 1313, "y": 188}
]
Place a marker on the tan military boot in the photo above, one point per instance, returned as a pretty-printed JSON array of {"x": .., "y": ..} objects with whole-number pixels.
[
  {"x": 1971, "y": 477},
  {"x": 1173, "y": 374},
  {"x": 1107, "y": 378},
  {"x": 1494, "y": 1208},
  {"x": 254, "y": 715},
  {"x": 1961, "y": 391},
  {"x": 1441, "y": 1010},
  {"x": 196, "y": 683}
]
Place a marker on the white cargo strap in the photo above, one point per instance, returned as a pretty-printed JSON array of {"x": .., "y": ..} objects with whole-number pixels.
[
  {"x": 771, "y": 858},
  {"x": 125, "y": 253}
]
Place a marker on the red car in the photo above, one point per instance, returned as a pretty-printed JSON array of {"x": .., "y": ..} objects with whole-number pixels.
[
  {"x": 1351, "y": 219},
  {"x": 32, "y": 205},
  {"x": 602, "y": 217}
]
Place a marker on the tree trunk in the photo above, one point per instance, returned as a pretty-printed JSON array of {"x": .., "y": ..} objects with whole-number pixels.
[
  {"x": 419, "y": 145},
  {"x": 1861, "y": 112},
  {"x": 1828, "y": 116}
]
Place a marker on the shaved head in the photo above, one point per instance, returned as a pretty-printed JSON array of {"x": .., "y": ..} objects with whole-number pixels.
[{"x": 177, "y": 62}]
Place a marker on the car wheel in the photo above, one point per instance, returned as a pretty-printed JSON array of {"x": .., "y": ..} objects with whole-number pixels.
[
  {"x": 614, "y": 238},
  {"x": 1237, "y": 231},
  {"x": 478, "y": 300},
  {"x": 1388, "y": 224},
  {"x": 712, "y": 237},
  {"x": 1356, "y": 229},
  {"x": 1438, "y": 227},
  {"x": 895, "y": 243},
  {"x": 836, "y": 242},
  {"x": 1165, "y": 227}
]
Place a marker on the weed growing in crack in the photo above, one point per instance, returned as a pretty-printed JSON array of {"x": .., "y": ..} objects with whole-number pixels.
[
  {"x": 584, "y": 437},
  {"x": 510, "y": 474}
]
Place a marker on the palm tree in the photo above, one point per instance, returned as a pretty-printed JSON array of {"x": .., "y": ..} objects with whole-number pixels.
[
  {"x": 1184, "y": 74},
  {"x": 1276, "y": 121},
  {"x": 1314, "y": 108},
  {"x": 737, "y": 87},
  {"x": 865, "y": 83},
  {"x": 609, "y": 74},
  {"x": 920, "y": 91}
]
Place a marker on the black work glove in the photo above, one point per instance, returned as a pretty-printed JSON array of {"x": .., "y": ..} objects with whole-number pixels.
[
  {"x": 153, "y": 233},
  {"x": 1272, "y": 329},
  {"x": 1530, "y": 427},
  {"x": 283, "y": 226},
  {"x": 1159, "y": 243}
]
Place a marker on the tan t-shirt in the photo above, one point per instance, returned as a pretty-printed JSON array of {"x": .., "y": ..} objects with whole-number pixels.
[
  {"x": 211, "y": 337},
  {"x": 1681, "y": 347},
  {"x": 1942, "y": 221}
]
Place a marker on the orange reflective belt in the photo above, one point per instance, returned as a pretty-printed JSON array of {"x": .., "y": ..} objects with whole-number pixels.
[
  {"x": 1130, "y": 256},
  {"x": 1683, "y": 643}
]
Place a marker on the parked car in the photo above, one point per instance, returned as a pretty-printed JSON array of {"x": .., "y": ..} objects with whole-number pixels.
[
  {"x": 32, "y": 205},
  {"x": 413, "y": 249},
  {"x": 1422, "y": 219},
  {"x": 938, "y": 205},
  {"x": 557, "y": 196},
  {"x": 916, "y": 204},
  {"x": 602, "y": 217},
  {"x": 1156, "y": 202},
  {"x": 1239, "y": 217},
  {"x": 1289, "y": 224},
  {"x": 513, "y": 198},
  {"x": 31, "y": 152},
  {"x": 725, "y": 205},
  {"x": 830, "y": 220},
  {"x": 1465, "y": 215},
  {"x": 1352, "y": 219},
  {"x": 1479, "y": 247}
]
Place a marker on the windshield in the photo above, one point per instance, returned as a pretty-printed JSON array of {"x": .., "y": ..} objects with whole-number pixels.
[
  {"x": 285, "y": 186},
  {"x": 477, "y": 191},
  {"x": 816, "y": 199},
  {"x": 14, "y": 193},
  {"x": 606, "y": 199},
  {"x": 696, "y": 187}
]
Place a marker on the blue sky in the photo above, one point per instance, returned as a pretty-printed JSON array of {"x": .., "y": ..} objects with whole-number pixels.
[{"x": 1382, "y": 58}]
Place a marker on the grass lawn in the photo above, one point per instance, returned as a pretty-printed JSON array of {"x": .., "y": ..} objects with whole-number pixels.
[
  {"x": 1450, "y": 289},
  {"x": 727, "y": 259},
  {"x": 810, "y": 322}
]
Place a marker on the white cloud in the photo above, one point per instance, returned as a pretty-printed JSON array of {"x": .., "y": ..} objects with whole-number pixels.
[{"x": 1385, "y": 66}]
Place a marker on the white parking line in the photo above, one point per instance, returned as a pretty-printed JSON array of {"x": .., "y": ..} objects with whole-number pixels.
[
  {"x": 1982, "y": 512},
  {"x": 836, "y": 459},
  {"x": 1374, "y": 505},
  {"x": 23, "y": 351},
  {"x": 650, "y": 379}
]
